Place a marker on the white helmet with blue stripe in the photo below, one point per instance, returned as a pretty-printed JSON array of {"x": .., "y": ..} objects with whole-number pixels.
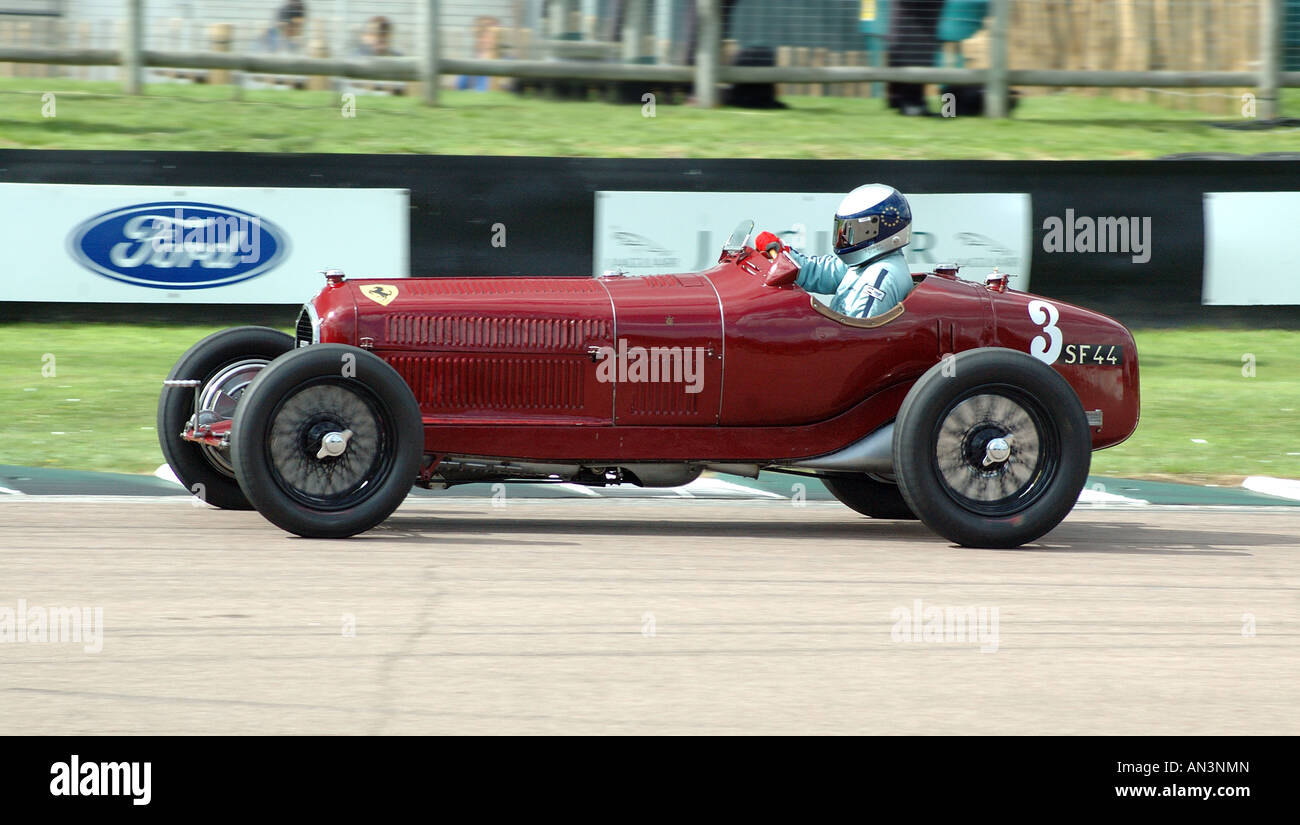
[{"x": 872, "y": 220}]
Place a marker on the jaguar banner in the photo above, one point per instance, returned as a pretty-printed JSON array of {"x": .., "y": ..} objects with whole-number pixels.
[{"x": 647, "y": 232}]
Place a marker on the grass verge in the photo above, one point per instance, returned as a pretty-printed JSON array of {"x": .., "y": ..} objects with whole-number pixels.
[{"x": 1075, "y": 126}]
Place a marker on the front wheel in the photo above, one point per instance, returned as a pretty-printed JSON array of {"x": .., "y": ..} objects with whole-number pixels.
[
  {"x": 327, "y": 441},
  {"x": 993, "y": 449}
]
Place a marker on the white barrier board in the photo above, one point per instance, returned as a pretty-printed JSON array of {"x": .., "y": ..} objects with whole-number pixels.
[
  {"x": 201, "y": 245},
  {"x": 1248, "y": 255}
]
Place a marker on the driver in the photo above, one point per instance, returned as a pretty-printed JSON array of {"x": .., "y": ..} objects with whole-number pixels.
[{"x": 867, "y": 274}]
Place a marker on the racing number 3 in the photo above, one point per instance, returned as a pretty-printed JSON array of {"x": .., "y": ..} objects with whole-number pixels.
[{"x": 1046, "y": 347}]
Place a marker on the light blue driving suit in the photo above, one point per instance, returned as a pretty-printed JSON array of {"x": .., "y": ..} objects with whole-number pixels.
[{"x": 861, "y": 291}]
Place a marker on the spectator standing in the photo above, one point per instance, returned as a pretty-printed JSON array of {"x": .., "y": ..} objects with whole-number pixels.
[
  {"x": 913, "y": 41},
  {"x": 485, "y": 47},
  {"x": 286, "y": 35},
  {"x": 377, "y": 39}
]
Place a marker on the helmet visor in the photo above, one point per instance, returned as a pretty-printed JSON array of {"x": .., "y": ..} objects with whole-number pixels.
[{"x": 853, "y": 232}]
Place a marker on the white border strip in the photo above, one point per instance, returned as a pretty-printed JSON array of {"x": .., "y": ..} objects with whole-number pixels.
[{"x": 1269, "y": 486}]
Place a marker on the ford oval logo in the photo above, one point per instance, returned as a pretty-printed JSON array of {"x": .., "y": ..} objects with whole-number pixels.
[{"x": 178, "y": 245}]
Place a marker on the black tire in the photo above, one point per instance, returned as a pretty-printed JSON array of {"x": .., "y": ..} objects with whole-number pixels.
[
  {"x": 877, "y": 499},
  {"x": 192, "y": 463},
  {"x": 942, "y": 448},
  {"x": 277, "y": 441}
]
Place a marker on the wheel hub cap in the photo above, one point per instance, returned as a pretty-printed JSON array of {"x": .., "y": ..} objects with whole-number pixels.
[
  {"x": 987, "y": 448},
  {"x": 996, "y": 451},
  {"x": 333, "y": 444},
  {"x": 217, "y": 401}
]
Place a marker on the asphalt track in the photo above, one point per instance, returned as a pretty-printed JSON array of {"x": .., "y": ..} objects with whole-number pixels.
[{"x": 647, "y": 616}]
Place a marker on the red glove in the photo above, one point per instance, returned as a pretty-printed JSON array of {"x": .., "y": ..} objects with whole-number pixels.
[{"x": 764, "y": 243}]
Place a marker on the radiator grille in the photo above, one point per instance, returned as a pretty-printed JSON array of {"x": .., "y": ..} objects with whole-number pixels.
[
  {"x": 493, "y": 382},
  {"x": 305, "y": 333},
  {"x": 473, "y": 331}
]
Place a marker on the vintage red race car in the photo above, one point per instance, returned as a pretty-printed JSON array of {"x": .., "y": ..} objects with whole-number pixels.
[{"x": 971, "y": 406}]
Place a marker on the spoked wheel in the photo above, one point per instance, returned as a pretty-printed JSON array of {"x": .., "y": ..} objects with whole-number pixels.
[
  {"x": 224, "y": 365},
  {"x": 869, "y": 495},
  {"x": 329, "y": 441},
  {"x": 994, "y": 450}
]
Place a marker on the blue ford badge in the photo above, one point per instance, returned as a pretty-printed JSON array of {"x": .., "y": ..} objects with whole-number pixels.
[{"x": 178, "y": 245}]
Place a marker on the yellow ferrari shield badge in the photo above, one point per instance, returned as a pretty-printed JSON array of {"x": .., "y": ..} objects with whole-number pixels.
[{"x": 382, "y": 294}]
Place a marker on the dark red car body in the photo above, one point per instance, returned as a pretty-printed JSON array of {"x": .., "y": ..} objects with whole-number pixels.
[{"x": 504, "y": 367}]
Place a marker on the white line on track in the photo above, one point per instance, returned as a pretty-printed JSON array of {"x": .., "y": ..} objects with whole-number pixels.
[
  {"x": 435, "y": 503},
  {"x": 721, "y": 487},
  {"x": 579, "y": 488},
  {"x": 79, "y": 499},
  {"x": 1090, "y": 495},
  {"x": 1280, "y": 487},
  {"x": 165, "y": 473}
]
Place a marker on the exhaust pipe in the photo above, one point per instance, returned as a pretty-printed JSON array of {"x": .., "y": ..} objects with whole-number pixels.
[{"x": 872, "y": 454}]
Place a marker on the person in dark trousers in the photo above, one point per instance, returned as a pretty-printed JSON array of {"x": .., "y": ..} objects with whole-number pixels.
[
  {"x": 913, "y": 41},
  {"x": 725, "y": 8}
]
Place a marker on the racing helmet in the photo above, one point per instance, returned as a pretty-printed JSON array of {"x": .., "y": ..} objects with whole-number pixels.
[{"x": 871, "y": 220}]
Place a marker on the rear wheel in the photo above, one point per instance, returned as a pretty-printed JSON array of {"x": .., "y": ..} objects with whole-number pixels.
[
  {"x": 328, "y": 442},
  {"x": 993, "y": 449},
  {"x": 872, "y": 497},
  {"x": 223, "y": 364}
]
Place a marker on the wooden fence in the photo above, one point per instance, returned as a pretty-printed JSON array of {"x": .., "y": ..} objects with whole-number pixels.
[{"x": 1087, "y": 35}]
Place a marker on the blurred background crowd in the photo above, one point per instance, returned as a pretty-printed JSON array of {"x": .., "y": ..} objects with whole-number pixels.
[{"x": 1088, "y": 35}]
